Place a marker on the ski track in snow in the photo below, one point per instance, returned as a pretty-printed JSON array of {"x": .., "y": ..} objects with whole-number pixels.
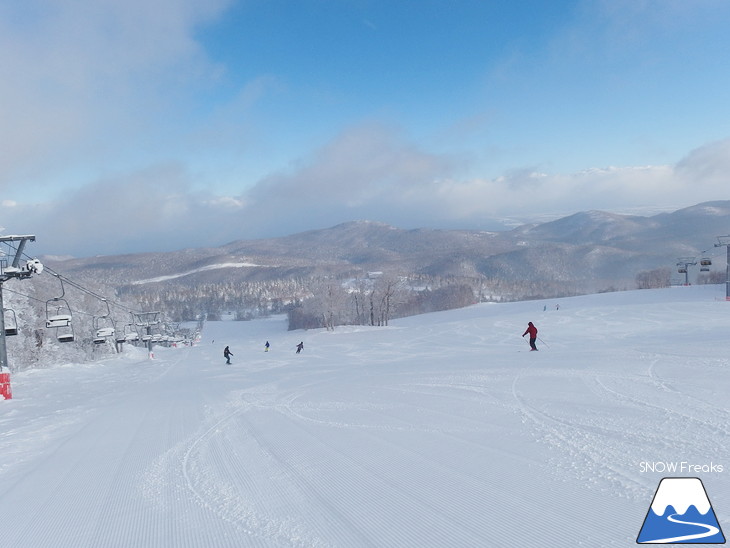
[{"x": 439, "y": 430}]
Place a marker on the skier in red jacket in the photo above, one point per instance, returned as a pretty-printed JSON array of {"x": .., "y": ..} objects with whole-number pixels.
[{"x": 532, "y": 330}]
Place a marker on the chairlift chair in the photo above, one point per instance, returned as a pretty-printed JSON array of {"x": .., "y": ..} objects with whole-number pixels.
[
  {"x": 102, "y": 334},
  {"x": 104, "y": 327},
  {"x": 11, "y": 322},
  {"x": 58, "y": 314},
  {"x": 119, "y": 335},
  {"x": 129, "y": 333}
]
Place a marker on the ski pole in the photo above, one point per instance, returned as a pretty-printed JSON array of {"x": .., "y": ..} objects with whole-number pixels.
[{"x": 543, "y": 342}]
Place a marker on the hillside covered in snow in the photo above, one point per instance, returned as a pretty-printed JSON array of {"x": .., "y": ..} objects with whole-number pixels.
[{"x": 438, "y": 430}]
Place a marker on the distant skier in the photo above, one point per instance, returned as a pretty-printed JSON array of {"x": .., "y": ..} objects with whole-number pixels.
[
  {"x": 266, "y": 346},
  {"x": 532, "y": 330},
  {"x": 300, "y": 346},
  {"x": 227, "y": 354}
]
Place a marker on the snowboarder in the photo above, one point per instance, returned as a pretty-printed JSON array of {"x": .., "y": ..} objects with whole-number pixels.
[
  {"x": 266, "y": 346},
  {"x": 227, "y": 354},
  {"x": 532, "y": 330},
  {"x": 300, "y": 346}
]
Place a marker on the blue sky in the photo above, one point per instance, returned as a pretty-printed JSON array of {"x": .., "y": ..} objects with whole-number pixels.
[{"x": 131, "y": 125}]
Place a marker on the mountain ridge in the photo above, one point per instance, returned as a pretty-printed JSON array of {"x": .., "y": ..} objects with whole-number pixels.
[{"x": 591, "y": 248}]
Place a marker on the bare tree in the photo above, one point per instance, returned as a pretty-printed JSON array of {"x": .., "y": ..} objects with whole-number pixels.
[{"x": 651, "y": 279}]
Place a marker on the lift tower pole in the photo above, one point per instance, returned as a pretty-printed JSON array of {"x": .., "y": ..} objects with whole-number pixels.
[
  {"x": 725, "y": 241},
  {"x": 684, "y": 263},
  {"x": 10, "y": 268}
]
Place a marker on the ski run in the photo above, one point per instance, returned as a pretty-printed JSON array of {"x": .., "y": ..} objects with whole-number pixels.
[{"x": 440, "y": 430}]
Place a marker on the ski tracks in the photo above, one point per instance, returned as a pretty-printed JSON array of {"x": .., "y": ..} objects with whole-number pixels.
[{"x": 661, "y": 419}]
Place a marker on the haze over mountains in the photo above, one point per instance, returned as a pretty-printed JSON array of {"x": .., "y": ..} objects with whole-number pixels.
[{"x": 590, "y": 251}]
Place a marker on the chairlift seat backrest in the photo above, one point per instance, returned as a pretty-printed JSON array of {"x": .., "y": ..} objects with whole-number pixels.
[
  {"x": 9, "y": 331},
  {"x": 67, "y": 337},
  {"x": 59, "y": 320}
]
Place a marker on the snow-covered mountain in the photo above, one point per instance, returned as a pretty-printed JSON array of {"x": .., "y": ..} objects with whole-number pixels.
[
  {"x": 607, "y": 248},
  {"x": 583, "y": 253}
]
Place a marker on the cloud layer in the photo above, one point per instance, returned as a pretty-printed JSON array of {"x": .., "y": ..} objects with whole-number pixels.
[{"x": 366, "y": 173}]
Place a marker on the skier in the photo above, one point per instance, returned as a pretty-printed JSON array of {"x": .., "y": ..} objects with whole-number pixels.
[
  {"x": 300, "y": 346},
  {"x": 266, "y": 346},
  {"x": 532, "y": 330},
  {"x": 227, "y": 354}
]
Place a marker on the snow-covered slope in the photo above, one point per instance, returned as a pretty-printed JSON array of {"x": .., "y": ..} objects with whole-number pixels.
[{"x": 439, "y": 430}]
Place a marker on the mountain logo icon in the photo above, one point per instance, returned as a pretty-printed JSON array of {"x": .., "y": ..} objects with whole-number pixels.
[{"x": 680, "y": 513}]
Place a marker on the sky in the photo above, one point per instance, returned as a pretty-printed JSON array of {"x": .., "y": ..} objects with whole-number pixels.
[{"x": 135, "y": 126}]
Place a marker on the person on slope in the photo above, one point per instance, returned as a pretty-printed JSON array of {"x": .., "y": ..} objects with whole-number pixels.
[
  {"x": 532, "y": 330},
  {"x": 227, "y": 354},
  {"x": 266, "y": 346},
  {"x": 300, "y": 346}
]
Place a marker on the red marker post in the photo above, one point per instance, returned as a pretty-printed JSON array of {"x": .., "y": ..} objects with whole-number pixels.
[{"x": 5, "y": 390}]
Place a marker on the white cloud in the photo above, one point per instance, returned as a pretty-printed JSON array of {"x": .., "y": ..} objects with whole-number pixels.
[
  {"x": 367, "y": 173},
  {"x": 362, "y": 165},
  {"x": 82, "y": 78}
]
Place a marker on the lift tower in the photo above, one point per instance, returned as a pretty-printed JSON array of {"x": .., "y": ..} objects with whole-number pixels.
[
  {"x": 9, "y": 269},
  {"x": 684, "y": 263},
  {"x": 725, "y": 241}
]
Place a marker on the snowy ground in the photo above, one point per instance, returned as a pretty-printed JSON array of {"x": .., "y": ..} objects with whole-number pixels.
[{"x": 441, "y": 430}]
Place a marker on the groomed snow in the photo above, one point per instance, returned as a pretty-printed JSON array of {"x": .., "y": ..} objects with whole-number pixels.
[{"x": 440, "y": 430}]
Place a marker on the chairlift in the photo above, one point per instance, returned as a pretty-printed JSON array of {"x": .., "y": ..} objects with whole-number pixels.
[
  {"x": 103, "y": 326},
  {"x": 705, "y": 263},
  {"x": 58, "y": 316},
  {"x": 11, "y": 322},
  {"x": 130, "y": 333},
  {"x": 682, "y": 270}
]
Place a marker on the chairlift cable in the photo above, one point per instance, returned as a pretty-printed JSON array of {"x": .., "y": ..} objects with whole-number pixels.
[
  {"x": 83, "y": 289},
  {"x": 43, "y": 301}
]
